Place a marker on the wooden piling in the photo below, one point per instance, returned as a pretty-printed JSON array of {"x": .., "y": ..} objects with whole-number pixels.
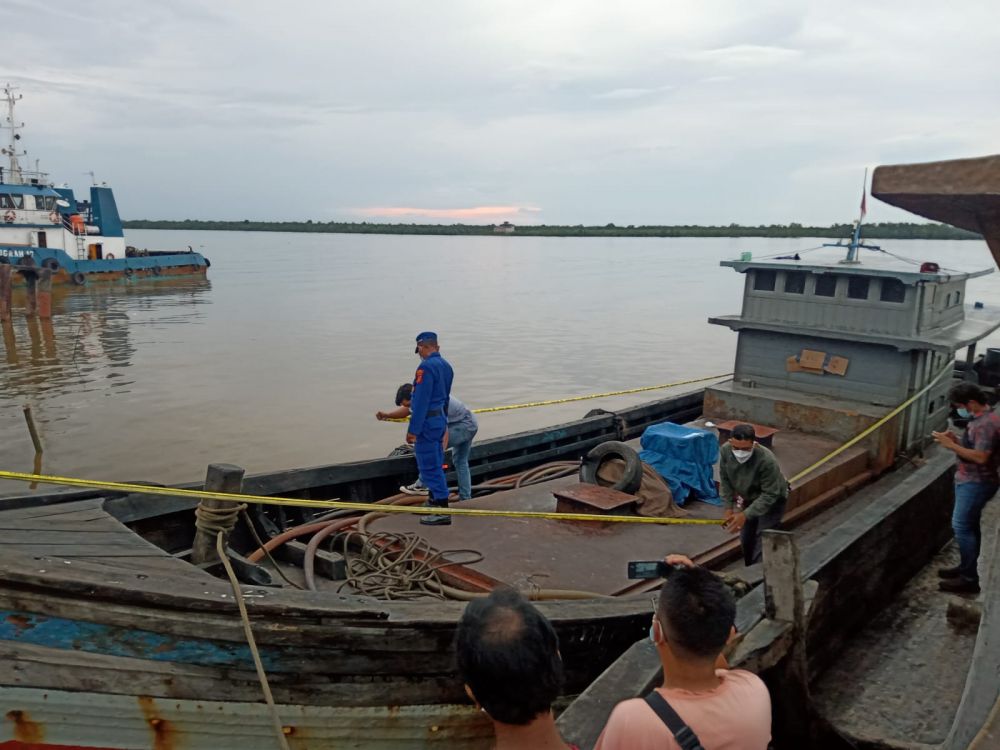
[
  {"x": 9, "y": 340},
  {"x": 784, "y": 601},
  {"x": 44, "y": 293},
  {"x": 31, "y": 298},
  {"x": 6, "y": 285},
  {"x": 32, "y": 430},
  {"x": 219, "y": 478}
]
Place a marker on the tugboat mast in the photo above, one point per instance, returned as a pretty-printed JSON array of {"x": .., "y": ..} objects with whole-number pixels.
[
  {"x": 14, "y": 175},
  {"x": 856, "y": 243}
]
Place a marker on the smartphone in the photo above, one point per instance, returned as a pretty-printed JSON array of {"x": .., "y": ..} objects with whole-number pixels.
[{"x": 648, "y": 569}]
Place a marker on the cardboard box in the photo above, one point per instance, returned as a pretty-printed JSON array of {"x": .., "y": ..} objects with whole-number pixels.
[{"x": 837, "y": 366}]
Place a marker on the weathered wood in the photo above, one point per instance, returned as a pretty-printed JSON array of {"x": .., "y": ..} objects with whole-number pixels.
[
  {"x": 220, "y": 478},
  {"x": 782, "y": 581},
  {"x": 31, "y": 294},
  {"x": 38, "y": 666},
  {"x": 977, "y": 718},
  {"x": 6, "y": 286},
  {"x": 45, "y": 293},
  {"x": 32, "y": 430}
]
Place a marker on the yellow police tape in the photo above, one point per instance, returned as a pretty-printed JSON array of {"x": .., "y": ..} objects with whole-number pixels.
[
  {"x": 868, "y": 431},
  {"x": 142, "y": 489},
  {"x": 571, "y": 399}
]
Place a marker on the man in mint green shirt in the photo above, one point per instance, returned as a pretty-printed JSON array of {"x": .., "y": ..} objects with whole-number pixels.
[{"x": 750, "y": 478}]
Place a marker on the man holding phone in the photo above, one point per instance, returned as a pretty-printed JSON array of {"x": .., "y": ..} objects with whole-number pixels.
[
  {"x": 700, "y": 699},
  {"x": 976, "y": 481},
  {"x": 749, "y": 476}
]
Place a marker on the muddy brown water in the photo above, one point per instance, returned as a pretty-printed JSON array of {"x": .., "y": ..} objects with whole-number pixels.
[{"x": 282, "y": 356}]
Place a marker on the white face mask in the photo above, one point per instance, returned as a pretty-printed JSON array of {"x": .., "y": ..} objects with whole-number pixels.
[{"x": 742, "y": 456}]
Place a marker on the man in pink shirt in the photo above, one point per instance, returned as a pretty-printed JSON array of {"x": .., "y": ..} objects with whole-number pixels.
[{"x": 726, "y": 709}]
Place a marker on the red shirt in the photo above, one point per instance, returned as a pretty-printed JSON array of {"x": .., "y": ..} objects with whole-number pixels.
[{"x": 981, "y": 434}]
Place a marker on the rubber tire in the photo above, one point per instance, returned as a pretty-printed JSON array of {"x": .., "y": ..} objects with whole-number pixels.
[
  {"x": 157, "y": 271},
  {"x": 51, "y": 263},
  {"x": 79, "y": 279},
  {"x": 631, "y": 477},
  {"x": 128, "y": 273}
]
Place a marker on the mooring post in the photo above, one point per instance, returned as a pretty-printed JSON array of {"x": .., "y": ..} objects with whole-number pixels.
[
  {"x": 9, "y": 341},
  {"x": 31, "y": 300},
  {"x": 784, "y": 601},
  {"x": 32, "y": 430},
  {"x": 44, "y": 293},
  {"x": 6, "y": 284},
  {"x": 213, "y": 516}
]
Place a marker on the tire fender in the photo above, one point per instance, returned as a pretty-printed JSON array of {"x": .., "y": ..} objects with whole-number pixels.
[
  {"x": 631, "y": 477},
  {"x": 79, "y": 279}
]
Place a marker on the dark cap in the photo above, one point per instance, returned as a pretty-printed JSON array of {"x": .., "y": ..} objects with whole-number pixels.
[
  {"x": 425, "y": 336},
  {"x": 743, "y": 432}
]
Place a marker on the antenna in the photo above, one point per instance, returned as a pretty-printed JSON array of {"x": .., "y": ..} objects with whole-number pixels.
[
  {"x": 855, "y": 243},
  {"x": 10, "y": 151}
]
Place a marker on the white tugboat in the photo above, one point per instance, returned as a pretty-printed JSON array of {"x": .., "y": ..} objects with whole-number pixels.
[{"x": 82, "y": 241}]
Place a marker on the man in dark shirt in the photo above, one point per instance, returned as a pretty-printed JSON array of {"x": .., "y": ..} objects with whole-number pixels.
[
  {"x": 749, "y": 475},
  {"x": 976, "y": 481},
  {"x": 429, "y": 422}
]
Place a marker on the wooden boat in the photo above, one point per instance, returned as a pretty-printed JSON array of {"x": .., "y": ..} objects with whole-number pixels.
[
  {"x": 865, "y": 652},
  {"x": 112, "y": 639}
]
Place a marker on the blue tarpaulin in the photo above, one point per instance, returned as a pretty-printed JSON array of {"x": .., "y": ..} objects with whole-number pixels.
[{"x": 684, "y": 457}]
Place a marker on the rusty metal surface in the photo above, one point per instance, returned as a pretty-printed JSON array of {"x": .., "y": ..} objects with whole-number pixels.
[
  {"x": 54, "y": 719},
  {"x": 593, "y": 497},
  {"x": 593, "y": 557},
  {"x": 962, "y": 192}
]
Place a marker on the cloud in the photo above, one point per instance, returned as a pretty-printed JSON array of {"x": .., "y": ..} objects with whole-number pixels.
[
  {"x": 635, "y": 93},
  {"x": 652, "y": 111},
  {"x": 472, "y": 213}
]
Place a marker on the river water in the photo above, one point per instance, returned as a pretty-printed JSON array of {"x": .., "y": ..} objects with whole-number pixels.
[{"x": 282, "y": 356}]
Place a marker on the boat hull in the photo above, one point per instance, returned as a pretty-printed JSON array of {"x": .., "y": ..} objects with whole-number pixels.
[{"x": 60, "y": 720}]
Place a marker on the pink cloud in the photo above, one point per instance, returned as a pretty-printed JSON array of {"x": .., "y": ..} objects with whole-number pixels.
[{"x": 482, "y": 213}]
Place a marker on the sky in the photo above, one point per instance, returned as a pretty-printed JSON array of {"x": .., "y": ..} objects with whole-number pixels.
[{"x": 480, "y": 111}]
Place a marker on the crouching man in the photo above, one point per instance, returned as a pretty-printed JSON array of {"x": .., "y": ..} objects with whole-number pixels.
[{"x": 700, "y": 700}]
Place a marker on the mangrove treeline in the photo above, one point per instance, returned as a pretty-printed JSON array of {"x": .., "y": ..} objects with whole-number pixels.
[{"x": 895, "y": 230}]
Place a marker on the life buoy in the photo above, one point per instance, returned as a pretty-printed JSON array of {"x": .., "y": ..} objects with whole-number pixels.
[
  {"x": 54, "y": 217},
  {"x": 79, "y": 279},
  {"x": 9, "y": 217},
  {"x": 157, "y": 270},
  {"x": 109, "y": 256}
]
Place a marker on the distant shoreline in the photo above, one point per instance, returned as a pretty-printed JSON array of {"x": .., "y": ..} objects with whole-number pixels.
[{"x": 898, "y": 230}]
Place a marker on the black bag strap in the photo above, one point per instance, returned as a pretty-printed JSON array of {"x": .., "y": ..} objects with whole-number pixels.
[{"x": 685, "y": 737}]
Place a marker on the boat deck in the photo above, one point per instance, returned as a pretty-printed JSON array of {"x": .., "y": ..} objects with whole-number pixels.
[
  {"x": 590, "y": 556},
  {"x": 902, "y": 677}
]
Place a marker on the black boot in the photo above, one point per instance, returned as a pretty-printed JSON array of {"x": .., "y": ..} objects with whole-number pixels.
[
  {"x": 436, "y": 519},
  {"x": 949, "y": 572},
  {"x": 959, "y": 586}
]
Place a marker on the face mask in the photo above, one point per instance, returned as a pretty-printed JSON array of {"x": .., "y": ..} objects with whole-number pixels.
[
  {"x": 742, "y": 456},
  {"x": 964, "y": 413}
]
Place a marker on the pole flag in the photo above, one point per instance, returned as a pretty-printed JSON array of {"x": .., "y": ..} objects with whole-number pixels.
[{"x": 864, "y": 190}]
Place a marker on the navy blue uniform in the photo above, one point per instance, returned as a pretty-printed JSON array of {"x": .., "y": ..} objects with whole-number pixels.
[{"x": 429, "y": 420}]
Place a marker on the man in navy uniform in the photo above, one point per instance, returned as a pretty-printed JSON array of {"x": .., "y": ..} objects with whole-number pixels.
[{"x": 429, "y": 422}]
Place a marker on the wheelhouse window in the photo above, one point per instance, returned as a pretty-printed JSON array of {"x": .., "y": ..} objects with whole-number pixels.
[
  {"x": 958, "y": 298},
  {"x": 826, "y": 285},
  {"x": 11, "y": 201},
  {"x": 45, "y": 202},
  {"x": 857, "y": 287},
  {"x": 764, "y": 280},
  {"x": 795, "y": 282},
  {"x": 893, "y": 290}
]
